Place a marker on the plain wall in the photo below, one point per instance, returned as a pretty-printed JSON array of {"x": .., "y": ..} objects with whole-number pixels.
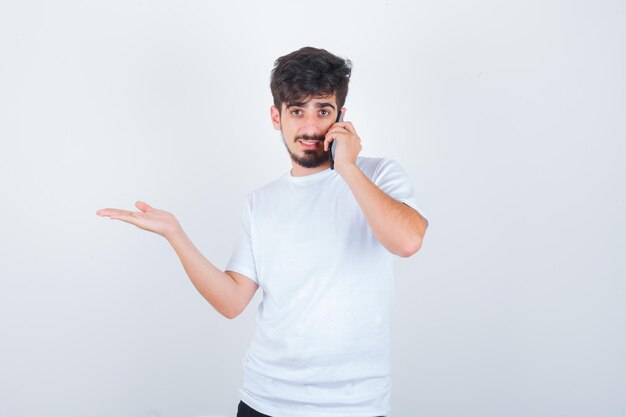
[{"x": 508, "y": 116}]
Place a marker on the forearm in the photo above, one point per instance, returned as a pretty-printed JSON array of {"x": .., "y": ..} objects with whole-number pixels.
[
  {"x": 397, "y": 226},
  {"x": 217, "y": 287}
]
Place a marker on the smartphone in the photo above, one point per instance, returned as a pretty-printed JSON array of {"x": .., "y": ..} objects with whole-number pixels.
[{"x": 333, "y": 145}]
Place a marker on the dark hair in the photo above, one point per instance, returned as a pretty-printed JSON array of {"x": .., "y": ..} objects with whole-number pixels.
[{"x": 310, "y": 72}]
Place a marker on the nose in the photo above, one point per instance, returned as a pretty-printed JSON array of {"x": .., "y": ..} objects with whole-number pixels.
[{"x": 311, "y": 124}]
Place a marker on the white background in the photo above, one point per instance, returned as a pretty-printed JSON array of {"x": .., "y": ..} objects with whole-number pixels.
[{"x": 508, "y": 116}]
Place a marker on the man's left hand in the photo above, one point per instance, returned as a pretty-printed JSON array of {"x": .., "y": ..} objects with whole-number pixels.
[{"x": 348, "y": 144}]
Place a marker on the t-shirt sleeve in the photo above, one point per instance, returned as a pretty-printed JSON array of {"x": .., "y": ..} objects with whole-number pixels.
[
  {"x": 242, "y": 259},
  {"x": 391, "y": 178}
]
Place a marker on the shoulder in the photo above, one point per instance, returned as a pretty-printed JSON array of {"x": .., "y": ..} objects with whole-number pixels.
[
  {"x": 368, "y": 165},
  {"x": 376, "y": 167}
]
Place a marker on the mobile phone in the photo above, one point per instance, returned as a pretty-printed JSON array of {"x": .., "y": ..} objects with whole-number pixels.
[{"x": 331, "y": 150}]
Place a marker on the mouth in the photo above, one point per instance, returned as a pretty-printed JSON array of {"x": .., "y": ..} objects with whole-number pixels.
[{"x": 310, "y": 144}]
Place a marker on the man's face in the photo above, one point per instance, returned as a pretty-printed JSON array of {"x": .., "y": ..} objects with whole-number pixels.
[{"x": 303, "y": 126}]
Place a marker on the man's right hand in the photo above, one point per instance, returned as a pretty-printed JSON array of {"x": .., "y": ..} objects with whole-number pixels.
[
  {"x": 150, "y": 219},
  {"x": 228, "y": 292}
]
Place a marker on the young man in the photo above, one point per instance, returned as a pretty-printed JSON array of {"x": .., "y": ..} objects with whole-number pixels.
[{"x": 320, "y": 244}]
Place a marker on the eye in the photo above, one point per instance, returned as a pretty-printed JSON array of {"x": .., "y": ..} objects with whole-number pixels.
[
  {"x": 324, "y": 112},
  {"x": 296, "y": 112}
]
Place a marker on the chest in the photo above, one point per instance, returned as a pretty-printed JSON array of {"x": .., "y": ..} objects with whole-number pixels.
[{"x": 314, "y": 220}]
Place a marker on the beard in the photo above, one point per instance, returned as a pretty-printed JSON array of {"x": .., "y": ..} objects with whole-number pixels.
[{"x": 311, "y": 158}]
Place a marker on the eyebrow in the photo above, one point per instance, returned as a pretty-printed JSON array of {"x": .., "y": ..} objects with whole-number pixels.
[{"x": 303, "y": 104}]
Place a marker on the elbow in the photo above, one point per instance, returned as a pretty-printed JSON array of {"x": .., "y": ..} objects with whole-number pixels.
[
  {"x": 410, "y": 248},
  {"x": 414, "y": 243},
  {"x": 231, "y": 313}
]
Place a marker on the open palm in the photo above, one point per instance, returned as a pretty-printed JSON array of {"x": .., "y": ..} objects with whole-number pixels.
[{"x": 148, "y": 218}]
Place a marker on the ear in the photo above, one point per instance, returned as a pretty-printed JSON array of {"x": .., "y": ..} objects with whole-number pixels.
[
  {"x": 343, "y": 111},
  {"x": 275, "y": 115}
]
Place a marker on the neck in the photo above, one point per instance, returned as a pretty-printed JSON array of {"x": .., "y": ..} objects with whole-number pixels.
[{"x": 300, "y": 171}]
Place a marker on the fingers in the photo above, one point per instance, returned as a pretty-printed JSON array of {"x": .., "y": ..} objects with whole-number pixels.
[
  {"x": 327, "y": 143},
  {"x": 105, "y": 212},
  {"x": 346, "y": 125},
  {"x": 126, "y": 216},
  {"x": 142, "y": 206},
  {"x": 329, "y": 139},
  {"x": 333, "y": 133},
  {"x": 109, "y": 212},
  {"x": 114, "y": 213},
  {"x": 132, "y": 217},
  {"x": 337, "y": 130}
]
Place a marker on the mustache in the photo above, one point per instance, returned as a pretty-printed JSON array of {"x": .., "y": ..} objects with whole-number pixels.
[{"x": 309, "y": 137}]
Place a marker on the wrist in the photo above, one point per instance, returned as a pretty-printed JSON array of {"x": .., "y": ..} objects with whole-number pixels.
[
  {"x": 175, "y": 235},
  {"x": 348, "y": 171}
]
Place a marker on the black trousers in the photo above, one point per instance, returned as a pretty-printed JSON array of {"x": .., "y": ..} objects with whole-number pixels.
[{"x": 244, "y": 410}]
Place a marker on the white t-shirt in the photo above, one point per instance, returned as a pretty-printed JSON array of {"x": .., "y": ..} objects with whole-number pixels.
[{"x": 322, "y": 342}]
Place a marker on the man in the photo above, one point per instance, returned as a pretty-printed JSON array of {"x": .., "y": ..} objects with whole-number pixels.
[{"x": 320, "y": 244}]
